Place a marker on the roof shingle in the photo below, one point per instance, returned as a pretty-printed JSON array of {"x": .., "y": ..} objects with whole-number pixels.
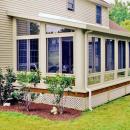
[{"x": 115, "y": 26}]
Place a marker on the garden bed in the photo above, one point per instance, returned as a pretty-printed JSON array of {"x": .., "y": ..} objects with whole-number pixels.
[{"x": 43, "y": 110}]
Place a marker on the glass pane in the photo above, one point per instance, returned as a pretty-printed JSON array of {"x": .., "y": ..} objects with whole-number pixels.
[
  {"x": 128, "y": 72},
  {"x": 25, "y": 27},
  {"x": 71, "y": 5},
  {"x": 94, "y": 80},
  {"x": 22, "y": 55},
  {"x": 98, "y": 14},
  {"x": 94, "y": 55},
  {"x": 109, "y": 50},
  {"x": 109, "y": 77},
  {"x": 67, "y": 55},
  {"x": 121, "y": 74},
  {"x": 53, "y": 55},
  {"x": 34, "y": 54},
  {"x": 121, "y": 55},
  {"x": 50, "y": 29}
]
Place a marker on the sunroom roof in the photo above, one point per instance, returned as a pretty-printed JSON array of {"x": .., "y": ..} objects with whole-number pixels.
[{"x": 114, "y": 30}]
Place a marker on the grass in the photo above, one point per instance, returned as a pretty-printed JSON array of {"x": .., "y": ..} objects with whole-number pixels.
[{"x": 111, "y": 116}]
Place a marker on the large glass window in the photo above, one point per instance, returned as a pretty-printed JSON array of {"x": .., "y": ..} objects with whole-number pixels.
[
  {"x": 67, "y": 55},
  {"x": 60, "y": 55},
  {"x": 26, "y": 27},
  {"x": 71, "y": 5},
  {"x": 121, "y": 55},
  {"x": 94, "y": 55},
  {"x": 98, "y": 14},
  {"x": 27, "y": 55},
  {"x": 53, "y": 55},
  {"x": 109, "y": 54}
]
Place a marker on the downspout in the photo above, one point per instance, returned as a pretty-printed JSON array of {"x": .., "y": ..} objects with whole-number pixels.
[
  {"x": 90, "y": 99},
  {"x": 86, "y": 70}
]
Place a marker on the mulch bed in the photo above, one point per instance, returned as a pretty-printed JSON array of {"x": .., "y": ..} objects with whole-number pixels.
[{"x": 43, "y": 110}]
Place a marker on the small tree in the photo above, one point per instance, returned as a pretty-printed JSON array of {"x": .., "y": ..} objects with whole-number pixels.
[
  {"x": 25, "y": 79},
  {"x": 57, "y": 86}
]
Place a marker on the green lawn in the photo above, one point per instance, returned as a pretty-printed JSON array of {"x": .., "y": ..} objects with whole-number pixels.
[{"x": 111, "y": 116}]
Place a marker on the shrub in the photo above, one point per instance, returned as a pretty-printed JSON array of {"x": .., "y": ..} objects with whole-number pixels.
[
  {"x": 57, "y": 86},
  {"x": 25, "y": 79},
  {"x": 6, "y": 87}
]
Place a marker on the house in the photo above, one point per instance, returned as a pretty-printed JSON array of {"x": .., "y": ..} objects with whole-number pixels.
[{"x": 73, "y": 37}]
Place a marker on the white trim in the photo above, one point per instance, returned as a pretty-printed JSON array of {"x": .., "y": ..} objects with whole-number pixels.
[
  {"x": 14, "y": 45},
  {"x": 69, "y": 22},
  {"x": 28, "y": 37}
]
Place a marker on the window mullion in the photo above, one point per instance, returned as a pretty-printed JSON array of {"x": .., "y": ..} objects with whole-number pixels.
[
  {"x": 28, "y": 55},
  {"x": 60, "y": 55}
]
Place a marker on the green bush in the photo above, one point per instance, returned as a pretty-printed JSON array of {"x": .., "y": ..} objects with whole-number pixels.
[
  {"x": 57, "y": 85},
  {"x": 6, "y": 87}
]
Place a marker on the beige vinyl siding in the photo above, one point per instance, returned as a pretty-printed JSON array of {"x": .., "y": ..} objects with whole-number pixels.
[
  {"x": 5, "y": 38},
  {"x": 84, "y": 10}
]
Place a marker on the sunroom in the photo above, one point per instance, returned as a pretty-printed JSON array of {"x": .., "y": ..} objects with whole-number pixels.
[{"x": 97, "y": 56}]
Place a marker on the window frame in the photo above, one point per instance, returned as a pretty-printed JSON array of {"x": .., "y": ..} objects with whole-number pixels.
[
  {"x": 95, "y": 55},
  {"x": 95, "y": 74},
  {"x": 60, "y": 54},
  {"x": 98, "y": 15},
  {"x": 120, "y": 69},
  {"x": 28, "y": 56},
  {"x": 113, "y": 56},
  {"x": 25, "y": 37},
  {"x": 28, "y": 27}
]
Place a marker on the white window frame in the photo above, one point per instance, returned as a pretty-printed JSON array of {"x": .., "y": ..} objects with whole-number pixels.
[
  {"x": 60, "y": 50},
  {"x": 24, "y": 37}
]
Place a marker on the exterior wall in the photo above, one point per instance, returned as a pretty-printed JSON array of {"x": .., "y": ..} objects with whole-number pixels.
[
  {"x": 84, "y": 10},
  {"x": 6, "y": 38}
]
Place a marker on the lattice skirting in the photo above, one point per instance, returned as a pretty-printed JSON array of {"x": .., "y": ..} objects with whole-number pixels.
[
  {"x": 68, "y": 101},
  {"x": 81, "y": 103}
]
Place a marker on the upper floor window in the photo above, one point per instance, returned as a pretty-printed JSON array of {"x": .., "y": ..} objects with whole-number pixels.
[
  {"x": 50, "y": 29},
  {"x": 94, "y": 55},
  {"x": 26, "y": 27},
  {"x": 71, "y": 5},
  {"x": 98, "y": 14},
  {"x": 109, "y": 54}
]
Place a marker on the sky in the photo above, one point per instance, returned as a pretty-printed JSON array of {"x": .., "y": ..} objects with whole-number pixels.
[{"x": 112, "y": 1}]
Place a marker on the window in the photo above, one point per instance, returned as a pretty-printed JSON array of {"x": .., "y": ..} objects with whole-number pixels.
[
  {"x": 109, "y": 54},
  {"x": 121, "y": 55},
  {"x": 71, "y": 5},
  {"x": 60, "y": 55},
  {"x": 26, "y": 27},
  {"x": 94, "y": 55},
  {"x": 51, "y": 29},
  {"x": 98, "y": 14},
  {"x": 27, "y": 55}
]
